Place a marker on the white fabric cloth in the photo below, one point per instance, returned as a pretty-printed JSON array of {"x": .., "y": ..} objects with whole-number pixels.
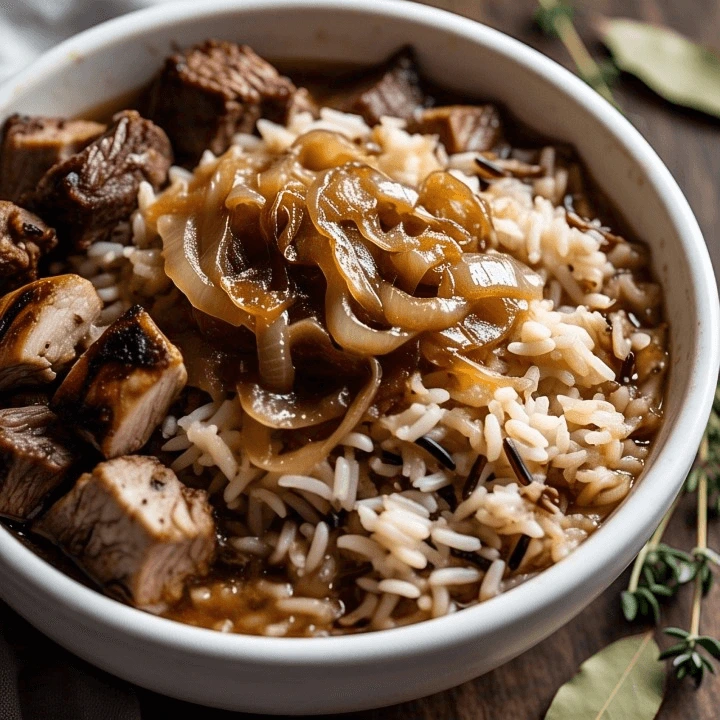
[{"x": 29, "y": 27}]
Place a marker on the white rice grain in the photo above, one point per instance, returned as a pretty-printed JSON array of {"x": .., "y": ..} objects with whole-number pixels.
[
  {"x": 490, "y": 586},
  {"x": 318, "y": 547},
  {"x": 306, "y": 483},
  {"x": 399, "y": 587},
  {"x": 454, "y": 576}
]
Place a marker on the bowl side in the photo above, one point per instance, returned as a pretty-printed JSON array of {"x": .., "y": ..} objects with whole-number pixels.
[{"x": 340, "y": 674}]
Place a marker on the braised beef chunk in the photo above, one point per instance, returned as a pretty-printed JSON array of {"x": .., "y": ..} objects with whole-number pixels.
[
  {"x": 205, "y": 95},
  {"x": 136, "y": 529},
  {"x": 462, "y": 128},
  {"x": 393, "y": 89},
  {"x": 24, "y": 238},
  {"x": 34, "y": 459},
  {"x": 85, "y": 196},
  {"x": 302, "y": 101},
  {"x": 41, "y": 325},
  {"x": 32, "y": 145},
  {"x": 120, "y": 389}
]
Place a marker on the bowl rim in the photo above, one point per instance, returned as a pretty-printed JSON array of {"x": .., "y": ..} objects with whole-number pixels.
[{"x": 646, "y": 504}]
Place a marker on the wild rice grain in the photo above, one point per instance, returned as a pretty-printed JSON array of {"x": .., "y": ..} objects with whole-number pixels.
[
  {"x": 481, "y": 562},
  {"x": 489, "y": 168},
  {"x": 391, "y": 458},
  {"x": 447, "y": 493},
  {"x": 474, "y": 476},
  {"x": 518, "y": 553},
  {"x": 627, "y": 371},
  {"x": 516, "y": 463},
  {"x": 437, "y": 451}
]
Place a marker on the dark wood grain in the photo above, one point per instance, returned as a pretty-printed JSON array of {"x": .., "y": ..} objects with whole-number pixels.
[{"x": 689, "y": 143}]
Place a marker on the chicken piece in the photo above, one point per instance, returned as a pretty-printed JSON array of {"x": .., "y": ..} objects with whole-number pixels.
[
  {"x": 135, "y": 529},
  {"x": 24, "y": 239},
  {"x": 34, "y": 459},
  {"x": 393, "y": 89},
  {"x": 205, "y": 95},
  {"x": 462, "y": 128},
  {"x": 85, "y": 196},
  {"x": 32, "y": 145},
  {"x": 120, "y": 389},
  {"x": 41, "y": 324}
]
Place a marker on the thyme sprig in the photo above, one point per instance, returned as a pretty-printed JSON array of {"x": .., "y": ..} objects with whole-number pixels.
[
  {"x": 709, "y": 468},
  {"x": 555, "y": 18},
  {"x": 658, "y": 573},
  {"x": 660, "y": 570},
  {"x": 687, "y": 658}
]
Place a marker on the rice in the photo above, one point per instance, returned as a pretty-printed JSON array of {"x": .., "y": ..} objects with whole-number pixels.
[
  {"x": 308, "y": 484},
  {"x": 380, "y": 504}
]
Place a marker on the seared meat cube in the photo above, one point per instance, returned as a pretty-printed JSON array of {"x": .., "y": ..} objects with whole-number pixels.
[
  {"x": 120, "y": 389},
  {"x": 24, "y": 238},
  {"x": 32, "y": 145},
  {"x": 301, "y": 102},
  {"x": 41, "y": 324},
  {"x": 85, "y": 196},
  {"x": 462, "y": 128},
  {"x": 34, "y": 459},
  {"x": 136, "y": 529},
  {"x": 205, "y": 95},
  {"x": 394, "y": 89}
]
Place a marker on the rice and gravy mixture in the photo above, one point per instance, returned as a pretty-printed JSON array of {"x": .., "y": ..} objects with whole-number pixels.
[{"x": 449, "y": 477}]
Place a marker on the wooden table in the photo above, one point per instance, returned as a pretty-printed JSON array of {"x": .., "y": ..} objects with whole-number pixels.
[
  {"x": 689, "y": 143},
  {"x": 522, "y": 690}
]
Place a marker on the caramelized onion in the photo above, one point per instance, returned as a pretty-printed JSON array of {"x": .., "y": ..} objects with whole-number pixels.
[
  {"x": 481, "y": 329},
  {"x": 473, "y": 383},
  {"x": 181, "y": 249},
  {"x": 258, "y": 442},
  {"x": 322, "y": 149},
  {"x": 413, "y": 313},
  {"x": 467, "y": 214},
  {"x": 323, "y": 257},
  {"x": 477, "y": 275},
  {"x": 352, "y": 334},
  {"x": 273, "y": 349},
  {"x": 380, "y": 208},
  {"x": 289, "y": 412}
]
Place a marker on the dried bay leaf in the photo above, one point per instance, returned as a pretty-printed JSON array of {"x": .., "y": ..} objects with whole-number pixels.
[
  {"x": 677, "y": 69},
  {"x": 624, "y": 681}
]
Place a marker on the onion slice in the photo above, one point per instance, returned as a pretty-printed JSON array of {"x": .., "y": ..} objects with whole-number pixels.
[
  {"x": 287, "y": 411},
  {"x": 257, "y": 438},
  {"x": 274, "y": 358},
  {"x": 182, "y": 266}
]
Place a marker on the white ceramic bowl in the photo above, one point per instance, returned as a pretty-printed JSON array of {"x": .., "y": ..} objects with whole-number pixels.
[{"x": 349, "y": 673}]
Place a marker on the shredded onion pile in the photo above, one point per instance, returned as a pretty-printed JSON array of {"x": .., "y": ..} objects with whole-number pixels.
[{"x": 328, "y": 261}]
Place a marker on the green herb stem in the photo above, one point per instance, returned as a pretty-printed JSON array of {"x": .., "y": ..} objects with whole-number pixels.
[
  {"x": 650, "y": 545},
  {"x": 586, "y": 65},
  {"x": 702, "y": 495}
]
